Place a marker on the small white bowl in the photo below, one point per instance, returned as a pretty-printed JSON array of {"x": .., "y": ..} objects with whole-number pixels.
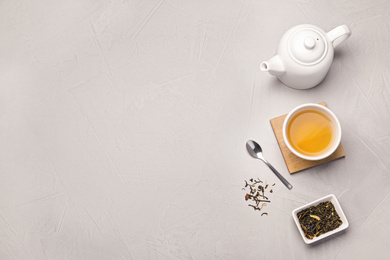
[
  {"x": 335, "y": 122},
  {"x": 332, "y": 198}
]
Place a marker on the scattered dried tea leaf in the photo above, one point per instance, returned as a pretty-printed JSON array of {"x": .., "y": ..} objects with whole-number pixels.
[
  {"x": 254, "y": 207},
  {"x": 256, "y": 194}
]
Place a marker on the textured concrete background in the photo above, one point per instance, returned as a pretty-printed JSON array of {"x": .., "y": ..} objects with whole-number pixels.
[{"x": 123, "y": 128}]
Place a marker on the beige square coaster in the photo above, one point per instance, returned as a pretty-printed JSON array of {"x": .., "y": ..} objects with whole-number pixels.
[{"x": 293, "y": 162}]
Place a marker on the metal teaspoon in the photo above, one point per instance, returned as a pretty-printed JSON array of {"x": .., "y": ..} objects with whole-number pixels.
[{"x": 255, "y": 151}]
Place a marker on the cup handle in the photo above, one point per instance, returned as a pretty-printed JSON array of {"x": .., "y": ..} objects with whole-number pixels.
[{"x": 339, "y": 34}]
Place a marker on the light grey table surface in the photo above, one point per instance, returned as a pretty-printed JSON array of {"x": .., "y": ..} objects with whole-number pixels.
[{"x": 123, "y": 127}]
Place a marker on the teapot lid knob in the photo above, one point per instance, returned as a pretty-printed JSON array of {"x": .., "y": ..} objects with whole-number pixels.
[
  {"x": 309, "y": 43},
  {"x": 307, "y": 46}
]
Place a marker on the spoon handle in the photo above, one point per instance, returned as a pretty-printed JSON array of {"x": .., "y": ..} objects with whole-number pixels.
[{"x": 281, "y": 178}]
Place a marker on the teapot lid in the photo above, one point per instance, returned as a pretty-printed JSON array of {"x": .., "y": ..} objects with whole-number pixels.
[{"x": 307, "y": 46}]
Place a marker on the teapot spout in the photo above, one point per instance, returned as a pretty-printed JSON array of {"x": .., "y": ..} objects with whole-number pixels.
[{"x": 273, "y": 66}]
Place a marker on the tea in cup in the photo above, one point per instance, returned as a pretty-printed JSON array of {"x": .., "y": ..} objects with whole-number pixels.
[{"x": 312, "y": 132}]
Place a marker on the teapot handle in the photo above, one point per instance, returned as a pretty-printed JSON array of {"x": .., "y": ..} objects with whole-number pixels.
[{"x": 339, "y": 34}]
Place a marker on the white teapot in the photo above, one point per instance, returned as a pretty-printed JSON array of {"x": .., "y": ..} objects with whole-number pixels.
[{"x": 304, "y": 55}]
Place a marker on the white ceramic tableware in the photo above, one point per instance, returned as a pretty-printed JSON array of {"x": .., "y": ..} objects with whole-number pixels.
[
  {"x": 336, "y": 134},
  {"x": 304, "y": 55},
  {"x": 332, "y": 198}
]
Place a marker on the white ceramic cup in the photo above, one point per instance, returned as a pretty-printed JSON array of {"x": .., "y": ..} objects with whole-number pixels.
[{"x": 336, "y": 134}]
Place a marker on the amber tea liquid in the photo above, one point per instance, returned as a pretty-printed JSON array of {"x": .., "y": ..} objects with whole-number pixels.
[{"x": 310, "y": 132}]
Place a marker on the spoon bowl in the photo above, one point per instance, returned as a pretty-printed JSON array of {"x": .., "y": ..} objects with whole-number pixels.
[{"x": 254, "y": 149}]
